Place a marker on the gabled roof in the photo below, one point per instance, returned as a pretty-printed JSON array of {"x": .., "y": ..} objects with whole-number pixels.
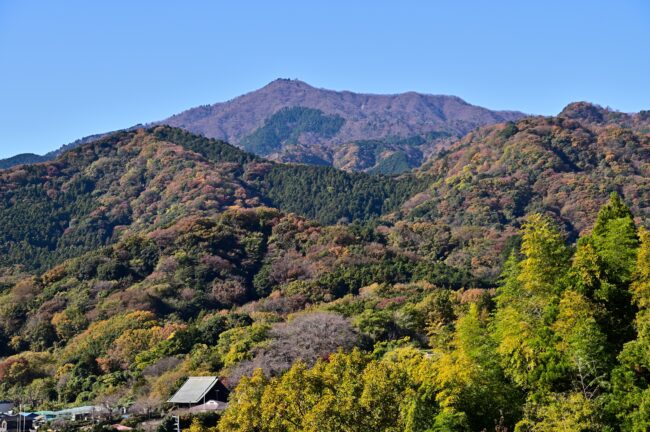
[{"x": 194, "y": 389}]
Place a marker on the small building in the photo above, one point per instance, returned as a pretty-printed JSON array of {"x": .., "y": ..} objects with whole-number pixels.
[
  {"x": 81, "y": 413},
  {"x": 43, "y": 417},
  {"x": 17, "y": 423},
  {"x": 199, "y": 391}
]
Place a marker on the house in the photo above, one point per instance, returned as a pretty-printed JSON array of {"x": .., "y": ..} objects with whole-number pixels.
[
  {"x": 43, "y": 417},
  {"x": 199, "y": 391},
  {"x": 17, "y": 423},
  {"x": 81, "y": 413}
]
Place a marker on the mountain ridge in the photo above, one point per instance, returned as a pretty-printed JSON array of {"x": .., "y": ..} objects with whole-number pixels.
[
  {"x": 286, "y": 92},
  {"x": 362, "y": 117},
  {"x": 496, "y": 175},
  {"x": 388, "y": 151},
  {"x": 365, "y": 117}
]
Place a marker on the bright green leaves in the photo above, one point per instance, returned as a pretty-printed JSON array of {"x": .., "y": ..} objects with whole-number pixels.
[
  {"x": 614, "y": 209},
  {"x": 560, "y": 320},
  {"x": 545, "y": 257},
  {"x": 641, "y": 286},
  {"x": 349, "y": 392},
  {"x": 243, "y": 414},
  {"x": 581, "y": 343},
  {"x": 527, "y": 304},
  {"x": 469, "y": 375},
  {"x": 603, "y": 267},
  {"x": 571, "y": 412}
]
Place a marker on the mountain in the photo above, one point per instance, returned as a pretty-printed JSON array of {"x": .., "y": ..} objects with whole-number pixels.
[
  {"x": 135, "y": 260},
  {"x": 144, "y": 179},
  {"x": 365, "y": 116},
  {"x": 463, "y": 207},
  {"x": 289, "y": 120},
  {"x": 487, "y": 183},
  {"x": 160, "y": 230}
]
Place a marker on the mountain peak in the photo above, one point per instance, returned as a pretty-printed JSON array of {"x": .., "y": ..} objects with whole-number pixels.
[
  {"x": 586, "y": 111},
  {"x": 288, "y": 83}
]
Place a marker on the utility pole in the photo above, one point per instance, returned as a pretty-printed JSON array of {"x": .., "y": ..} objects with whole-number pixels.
[{"x": 177, "y": 422}]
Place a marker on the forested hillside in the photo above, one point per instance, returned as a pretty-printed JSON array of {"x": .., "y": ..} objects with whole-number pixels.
[
  {"x": 561, "y": 344},
  {"x": 21, "y": 159},
  {"x": 503, "y": 286},
  {"x": 564, "y": 167},
  {"x": 145, "y": 179},
  {"x": 129, "y": 180}
]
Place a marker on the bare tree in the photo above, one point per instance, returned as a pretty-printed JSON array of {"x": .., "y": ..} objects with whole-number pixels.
[
  {"x": 307, "y": 337},
  {"x": 146, "y": 405},
  {"x": 161, "y": 366},
  {"x": 110, "y": 402}
]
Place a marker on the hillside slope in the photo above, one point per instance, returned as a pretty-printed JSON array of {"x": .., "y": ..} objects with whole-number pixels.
[
  {"x": 564, "y": 166},
  {"x": 22, "y": 159},
  {"x": 145, "y": 179},
  {"x": 464, "y": 207},
  {"x": 367, "y": 116},
  {"x": 144, "y": 257}
]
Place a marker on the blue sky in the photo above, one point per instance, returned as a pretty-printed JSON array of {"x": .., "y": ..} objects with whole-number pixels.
[{"x": 73, "y": 68}]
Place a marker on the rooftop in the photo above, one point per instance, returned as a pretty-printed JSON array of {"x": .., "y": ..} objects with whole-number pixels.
[{"x": 194, "y": 390}]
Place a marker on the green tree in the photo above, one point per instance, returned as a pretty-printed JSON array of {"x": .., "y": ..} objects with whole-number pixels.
[
  {"x": 197, "y": 426},
  {"x": 570, "y": 412},
  {"x": 288, "y": 399},
  {"x": 469, "y": 375},
  {"x": 615, "y": 243},
  {"x": 631, "y": 380},
  {"x": 245, "y": 410},
  {"x": 527, "y": 305},
  {"x": 614, "y": 209},
  {"x": 582, "y": 344},
  {"x": 348, "y": 392}
]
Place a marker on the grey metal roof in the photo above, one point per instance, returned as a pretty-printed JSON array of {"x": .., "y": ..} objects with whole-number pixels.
[
  {"x": 81, "y": 410},
  {"x": 194, "y": 389}
]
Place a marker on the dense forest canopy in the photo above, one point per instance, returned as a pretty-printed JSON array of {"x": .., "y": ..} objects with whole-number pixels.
[
  {"x": 147, "y": 179},
  {"x": 503, "y": 286},
  {"x": 560, "y": 343}
]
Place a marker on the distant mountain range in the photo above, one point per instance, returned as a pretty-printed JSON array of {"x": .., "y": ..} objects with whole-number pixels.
[{"x": 291, "y": 121}]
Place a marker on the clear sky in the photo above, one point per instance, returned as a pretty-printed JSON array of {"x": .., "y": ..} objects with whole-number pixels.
[{"x": 72, "y": 68}]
